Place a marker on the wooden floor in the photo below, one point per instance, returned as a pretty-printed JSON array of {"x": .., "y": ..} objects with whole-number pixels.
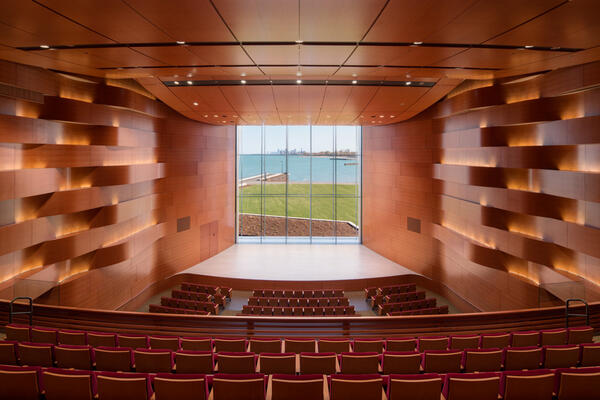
[{"x": 288, "y": 262}]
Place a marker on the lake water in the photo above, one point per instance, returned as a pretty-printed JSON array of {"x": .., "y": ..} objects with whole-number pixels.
[{"x": 299, "y": 168}]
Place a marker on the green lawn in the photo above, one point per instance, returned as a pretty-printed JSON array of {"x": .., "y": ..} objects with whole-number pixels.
[{"x": 322, "y": 205}]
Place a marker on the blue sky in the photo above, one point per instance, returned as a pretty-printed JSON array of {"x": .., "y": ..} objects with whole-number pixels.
[{"x": 249, "y": 138}]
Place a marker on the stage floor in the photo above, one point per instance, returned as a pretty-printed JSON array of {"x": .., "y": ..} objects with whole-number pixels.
[{"x": 298, "y": 262}]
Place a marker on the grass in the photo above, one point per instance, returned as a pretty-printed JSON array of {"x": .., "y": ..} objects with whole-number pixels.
[{"x": 346, "y": 208}]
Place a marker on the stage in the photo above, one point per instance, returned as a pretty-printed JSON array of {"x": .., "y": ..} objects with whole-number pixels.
[{"x": 298, "y": 262}]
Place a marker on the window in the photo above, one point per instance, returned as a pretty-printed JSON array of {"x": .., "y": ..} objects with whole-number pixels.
[{"x": 299, "y": 184}]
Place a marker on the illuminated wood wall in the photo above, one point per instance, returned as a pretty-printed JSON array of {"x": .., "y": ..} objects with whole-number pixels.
[
  {"x": 93, "y": 179},
  {"x": 505, "y": 179}
]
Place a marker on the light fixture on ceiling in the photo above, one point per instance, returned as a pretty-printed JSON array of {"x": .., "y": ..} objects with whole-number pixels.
[
  {"x": 408, "y": 83},
  {"x": 205, "y": 115},
  {"x": 189, "y": 75},
  {"x": 215, "y": 116},
  {"x": 354, "y": 82},
  {"x": 299, "y": 41},
  {"x": 195, "y": 103},
  {"x": 299, "y": 81},
  {"x": 417, "y": 43},
  {"x": 529, "y": 46},
  {"x": 381, "y": 116},
  {"x": 223, "y": 121},
  {"x": 243, "y": 74},
  {"x": 189, "y": 82},
  {"x": 298, "y": 73},
  {"x": 354, "y": 75},
  {"x": 180, "y": 42},
  {"x": 44, "y": 46},
  {"x": 408, "y": 75},
  {"x": 243, "y": 81},
  {"x": 176, "y": 82},
  {"x": 392, "y": 116}
]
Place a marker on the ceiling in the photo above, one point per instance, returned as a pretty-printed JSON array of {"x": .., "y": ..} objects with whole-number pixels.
[{"x": 444, "y": 42}]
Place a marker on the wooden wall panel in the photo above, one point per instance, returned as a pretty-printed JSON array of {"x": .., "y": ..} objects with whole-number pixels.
[
  {"x": 504, "y": 176},
  {"x": 92, "y": 181}
]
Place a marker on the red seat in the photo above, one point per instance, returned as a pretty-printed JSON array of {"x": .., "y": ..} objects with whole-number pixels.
[
  {"x": 36, "y": 354},
  {"x": 44, "y": 335},
  {"x": 196, "y": 343},
  {"x": 292, "y": 387},
  {"x": 318, "y": 363},
  {"x": 401, "y": 344},
  {"x": 359, "y": 363},
  {"x": 236, "y": 363},
  {"x": 72, "y": 337},
  {"x": 525, "y": 338},
  {"x": 560, "y": 356},
  {"x": 97, "y": 339},
  {"x": 432, "y": 343},
  {"x": 410, "y": 387},
  {"x": 334, "y": 345},
  {"x": 577, "y": 384},
  {"x": 299, "y": 345},
  {"x": 401, "y": 362},
  {"x": 356, "y": 387},
  {"x": 194, "y": 362},
  {"x": 240, "y": 386},
  {"x": 23, "y": 383},
  {"x": 515, "y": 358},
  {"x": 482, "y": 386},
  {"x": 264, "y": 345},
  {"x": 73, "y": 356},
  {"x": 113, "y": 358},
  {"x": 527, "y": 385},
  {"x": 153, "y": 360},
  {"x": 230, "y": 344},
  {"x": 133, "y": 341},
  {"x": 369, "y": 345},
  {"x": 590, "y": 354},
  {"x": 494, "y": 340},
  {"x": 462, "y": 342},
  {"x": 20, "y": 333},
  {"x": 66, "y": 384},
  {"x": 164, "y": 342},
  {"x": 8, "y": 352},
  {"x": 580, "y": 334},
  {"x": 482, "y": 360},
  {"x": 180, "y": 386},
  {"x": 122, "y": 385},
  {"x": 277, "y": 363},
  {"x": 442, "y": 361}
]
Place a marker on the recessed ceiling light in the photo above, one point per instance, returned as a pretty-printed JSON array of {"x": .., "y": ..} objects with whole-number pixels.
[
  {"x": 555, "y": 48},
  {"x": 417, "y": 43},
  {"x": 408, "y": 83},
  {"x": 392, "y": 116},
  {"x": 243, "y": 74},
  {"x": 408, "y": 75},
  {"x": 298, "y": 73},
  {"x": 180, "y": 42},
  {"x": 189, "y": 82},
  {"x": 243, "y": 82},
  {"x": 176, "y": 82},
  {"x": 195, "y": 103},
  {"x": 354, "y": 75},
  {"x": 354, "y": 82},
  {"x": 223, "y": 121},
  {"x": 216, "y": 116},
  {"x": 44, "y": 46},
  {"x": 299, "y": 41},
  {"x": 189, "y": 75},
  {"x": 175, "y": 76},
  {"x": 529, "y": 46},
  {"x": 205, "y": 115},
  {"x": 298, "y": 81},
  {"x": 381, "y": 116},
  {"x": 372, "y": 122}
]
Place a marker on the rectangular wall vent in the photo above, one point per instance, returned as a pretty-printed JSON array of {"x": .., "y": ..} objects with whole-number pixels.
[
  {"x": 183, "y": 224},
  {"x": 413, "y": 225}
]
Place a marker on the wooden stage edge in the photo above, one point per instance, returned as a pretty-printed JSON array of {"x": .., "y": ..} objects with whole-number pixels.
[{"x": 249, "y": 284}]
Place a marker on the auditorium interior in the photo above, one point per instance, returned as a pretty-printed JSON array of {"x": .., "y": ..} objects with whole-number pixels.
[{"x": 300, "y": 199}]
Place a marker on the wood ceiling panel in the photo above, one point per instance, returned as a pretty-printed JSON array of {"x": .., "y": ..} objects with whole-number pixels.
[
  {"x": 327, "y": 118},
  {"x": 221, "y": 55},
  {"x": 41, "y": 26},
  {"x": 276, "y": 55},
  {"x": 496, "y": 58},
  {"x": 481, "y": 21},
  {"x": 187, "y": 20},
  {"x": 115, "y": 20},
  {"x": 287, "y": 98},
  {"x": 179, "y": 55},
  {"x": 358, "y": 99},
  {"x": 239, "y": 99},
  {"x": 391, "y": 73},
  {"x": 574, "y": 24},
  {"x": 261, "y": 20},
  {"x": 262, "y": 97},
  {"x": 394, "y": 98},
  {"x": 101, "y": 57},
  {"x": 335, "y": 98},
  {"x": 389, "y": 55},
  {"x": 208, "y": 97},
  {"x": 307, "y": 72},
  {"x": 337, "y": 20},
  {"x": 324, "y": 55},
  {"x": 415, "y": 20},
  {"x": 311, "y": 98}
]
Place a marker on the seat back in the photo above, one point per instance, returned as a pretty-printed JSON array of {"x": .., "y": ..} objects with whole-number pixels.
[
  {"x": 560, "y": 356},
  {"x": 194, "y": 362},
  {"x": 180, "y": 387},
  {"x": 464, "y": 342},
  {"x": 432, "y": 343},
  {"x": 369, "y": 345},
  {"x": 164, "y": 342},
  {"x": 482, "y": 360},
  {"x": 62, "y": 384},
  {"x": 482, "y": 386},
  {"x": 522, "y": 358},
  {"x": 551, "y": 337},
  {"x": 530, "y": 385},
  {"x": 22, "y": 383},
  {"x": 415, "y": 387},
  {"x": 299, "y": 345},
  {"x": 442, "y": 361},
  {"x": 494, "y": 340},
  {"x": 590, "y": 354},
  {"x": 525, "y": 339},
  {"x": 44, "y": 335},
  {"x": 277, "y": 363},
  {"x": 580, "y": 334},
  {"x": 236, "y": 363},
  {"x": 268, "y": 345},
  {"x": 356, "y": 387},
  {"x": 198, "y": 344},
  {"x": 133, "y": 341},
  {"x": 359, "y": 363},
  {"x": 73, "y": 356},
  {"x": 292, "y": 387},
  {"x": 113, "y": 358},
  {"x": 401, "y": 362},
  {"x": 230, "y": 344},
  {"x": 72, "y": 337},
  {"x": 578, "y": 384},
  {"x": 100, "y": 339},
  {"x": 153, "y": 360},
  {"x": 20, "y": 333},
  {"x": 123, "y": 386},
  {"x": 401, "y": 344},
  {"x": 36, "y": 354},
  {"x": 235, "y": 387},
  {"x": 8, "y": 352},
  {"x": 334, "y": 345},
  {"x": 318, "y": 363}
]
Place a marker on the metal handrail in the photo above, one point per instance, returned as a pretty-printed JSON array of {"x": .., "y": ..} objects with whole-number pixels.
[
  {"x": 567, "y": 314},
  {"x": 12, "y": 312}
]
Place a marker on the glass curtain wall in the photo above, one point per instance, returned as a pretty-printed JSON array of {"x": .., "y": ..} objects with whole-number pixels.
[{"x": 299, "y": 184}]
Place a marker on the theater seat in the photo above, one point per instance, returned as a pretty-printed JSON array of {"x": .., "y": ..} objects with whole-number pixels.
[
  {"x": 102, "y": 339},
  {"x": 415, "y": 387},
  {"x": 369, "y": 345},
  {"x": 590, "y": 354},
  {"x": 113, "y": 358},
  {"x": 72, "y": 356},
  {"x": 334, "y": 345},
  {"x": 36, "y": 354},
  {"x": 560, "y": 356},
  {"x": 527, "y": 385},
  {"x": 359, "y": 363},
  {"x": 194, "y": 362},
  {"x": 180, "y": 387},
  {"x": 237, "y": 387},
  {"x": 164, "y": 342},
  {"x": 551, "y": 337},
  {"x": 44, "y": 335},
  {"x": 123, "y": 386},
  {"x": 401, "y": 362},
  {"x": 236, "y": 363},
  {"x": 464, "y": 342},
  {"x": 578, "y": 384},
  {"x": 525, "y": 338},
  {"x": 196, "y": 343},
  {"x": 277, "y": 363},
  {"x": 265, "y": 345},
  {"x": 8, "y": 352},
  {"x": 482, "y": 360},
  {"x": 495, "y": 340},
  {"x": 153, "y": 360},
  {"x": 230, "y": 344},
  {"x": 483, "y": 386},
  {"x": 580, "y": 334},
  {"x": 72, "y": 337},
  {"x": 65, "y": 384},
  {"x": 432, "y": 343},
  {"x": 301, "y": 387},
  {"x": 318, "y": 363},
  {"x": 357, "y": 387},
  {"x": 442, "y": 361},
  {"x": 522, "y": 358},
  {"x": 20, "y": 333},
  {"x": 133, "y": 341},
  {"x": 401, "y": 344},
  {"x": 20, "y": 383},
  {"x": 299, "y": 345}
]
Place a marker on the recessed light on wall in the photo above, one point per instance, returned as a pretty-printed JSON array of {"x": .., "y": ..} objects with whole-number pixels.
[
  {"x": 408, "y": 75},
  {"x": 528, "y": 46},
  {"x": 189, "y": 75},
  {"x": 205, "y": 115},
  {"x": 195, "y": 103},
  {"x": 180, "y": 42},
  {"x": 392, "y": 116},
  {"x": 44, "y": 46},
  {"x": 298, "y": 81},
  {"x": 354, "y": 82},
  {"x": 408, "y": 83},
  {"x": 189, "y": 82},
  {"x": 243, "y": 82},
  {"x": 176, "y": 82},
  {"x": 354, "y": 75},
  {"x": 298, "y": 73},
  {"x": 417, "y": 43},
  {"x": 381, "y": 116},
  {"x": 243, "y": 74},
  {"x": 216, "y": 116}
]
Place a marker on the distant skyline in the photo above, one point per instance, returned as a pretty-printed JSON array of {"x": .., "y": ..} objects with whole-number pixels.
[{"x": 249, "y": 138}]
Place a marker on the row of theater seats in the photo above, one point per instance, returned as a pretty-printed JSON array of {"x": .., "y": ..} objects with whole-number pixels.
[
  {"x": 209, "y": 289},
  {"x": 385, "y": 308},
  {"x": 298, "y": 293},
  {"x": 197, "y": 296},
  {"x": 420, "y": 311},
  {"x": 193, "y": 298},
  {"x": 53, "y": 383},
  {"x": 546, "y": 337},
  {"x": 155, "y": 360},
  {"x": 208, "y": 307},
  {"x": 157, "y": 308},
  {"x": 298, "y": 301},
  {"x": 376, "y": 295},
  {"x": 299, "y": 311}
]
